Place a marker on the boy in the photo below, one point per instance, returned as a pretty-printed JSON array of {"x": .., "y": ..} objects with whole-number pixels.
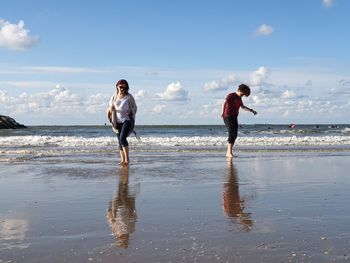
[{"x": 230, "y": 110}]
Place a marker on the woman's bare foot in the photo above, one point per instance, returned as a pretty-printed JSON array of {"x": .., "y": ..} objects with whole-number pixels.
[{"x": 229, "y": 155}]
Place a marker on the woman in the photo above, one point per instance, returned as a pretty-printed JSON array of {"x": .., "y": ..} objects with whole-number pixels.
[
  {"x": 121, "y": 113},
  {"x": 230, "y": 110}
]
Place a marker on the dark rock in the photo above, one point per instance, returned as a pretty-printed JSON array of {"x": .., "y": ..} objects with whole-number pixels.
[{"x": 7, "y": 122}]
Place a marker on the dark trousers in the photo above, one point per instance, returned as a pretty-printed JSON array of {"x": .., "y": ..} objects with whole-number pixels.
[
  {"x": 231, "y": 124},
  {"x": 124, "y": 130}
]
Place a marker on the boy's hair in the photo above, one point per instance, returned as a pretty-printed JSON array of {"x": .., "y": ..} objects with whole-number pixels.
[{"x": 244, "y": 89}]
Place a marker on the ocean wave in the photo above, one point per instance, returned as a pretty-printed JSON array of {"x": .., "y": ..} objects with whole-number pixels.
[
  {"x": 346, "y": 131},
  {"x": 28, "y": 148},
  {"x": 82, "y": 142}
]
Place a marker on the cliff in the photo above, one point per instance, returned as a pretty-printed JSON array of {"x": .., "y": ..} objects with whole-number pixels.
[{"x": 7, "y": 122}]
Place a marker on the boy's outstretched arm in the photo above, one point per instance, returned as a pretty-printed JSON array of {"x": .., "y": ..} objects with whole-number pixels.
[{"x": 249, "y": 109}]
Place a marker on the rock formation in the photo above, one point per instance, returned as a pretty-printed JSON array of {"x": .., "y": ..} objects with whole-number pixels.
[{"x": 7, "y": 122}]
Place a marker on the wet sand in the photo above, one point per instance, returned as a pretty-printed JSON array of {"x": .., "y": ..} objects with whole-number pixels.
[{"x": 177, "y": 207}]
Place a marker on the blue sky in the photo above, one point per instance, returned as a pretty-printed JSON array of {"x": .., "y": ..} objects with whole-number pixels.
[{"x": 59, "y": 60}]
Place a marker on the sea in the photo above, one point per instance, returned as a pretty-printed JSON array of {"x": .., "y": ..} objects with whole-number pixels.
[{"x": 38, "y": 142}]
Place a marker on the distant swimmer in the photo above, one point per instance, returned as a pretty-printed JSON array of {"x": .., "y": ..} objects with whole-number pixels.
[
  {"x": 230, "y": 110},
  {"x": 292, "y": 126}
]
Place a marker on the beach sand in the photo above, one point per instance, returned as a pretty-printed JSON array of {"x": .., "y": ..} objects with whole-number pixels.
[{"x": 177, "y": 207}]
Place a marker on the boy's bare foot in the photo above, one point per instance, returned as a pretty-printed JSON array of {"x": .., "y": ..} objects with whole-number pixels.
[{"x": 229, "y": 155}]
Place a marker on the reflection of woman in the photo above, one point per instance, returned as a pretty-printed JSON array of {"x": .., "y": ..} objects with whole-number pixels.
[
  {"x": 122, "y": 211},
  {"x": 233, "y": 204}
]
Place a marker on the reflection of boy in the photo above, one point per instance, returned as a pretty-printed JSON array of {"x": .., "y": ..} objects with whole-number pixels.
[
  {"x": 230, "y": 110},
  {"x": 233, "y": 205}
]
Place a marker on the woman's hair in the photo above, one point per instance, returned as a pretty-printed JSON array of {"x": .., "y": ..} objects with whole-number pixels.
[
  {"x": 244, "y": 89},
  {"x": 123, "y": 81}
]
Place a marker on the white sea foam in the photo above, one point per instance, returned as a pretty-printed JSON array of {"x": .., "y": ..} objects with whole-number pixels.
[
  {"x": 196, "y": 141},
  {"x": 346, "y": 131},
  {"x": 25, "y": 148},
  {"x": 59, "y": 141}
]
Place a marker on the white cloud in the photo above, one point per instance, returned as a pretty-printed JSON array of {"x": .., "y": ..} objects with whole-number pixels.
[
  {"x": 15, "y": 36},
  {"x": 60, "y": 97},
  {"x": 158, "y": 108},
  {"x": 29, "y": 84},
  {"x": 58, "y": 105},
  {"x": 344, "y": 83},
  {"x": 223, "y": 84},
  {"x": 308, "y": 84},
  {"x": 264, "y": 30},
  {"x": 152, "y": 73},
  {"x": 286, "y": 114},
  {"x": 140, "y": 94},
  {"x": 174, "y": 92},
  {"x": 276, "y": 95},
  {"x": 4, "y": 99},
  {"x": 259, "y": 76},
  {"x": 341, "y": 89},
  {"x": 328, "y": 3},
  {"x": 212, "y": 109},
  {"x": 58, "y": 101},
  {"x": 289, "y": 94},
  {"x": 96, "y": 103}
]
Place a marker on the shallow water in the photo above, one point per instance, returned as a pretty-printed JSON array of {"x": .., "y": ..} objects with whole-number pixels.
[{"x": 176, "y": 207}]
